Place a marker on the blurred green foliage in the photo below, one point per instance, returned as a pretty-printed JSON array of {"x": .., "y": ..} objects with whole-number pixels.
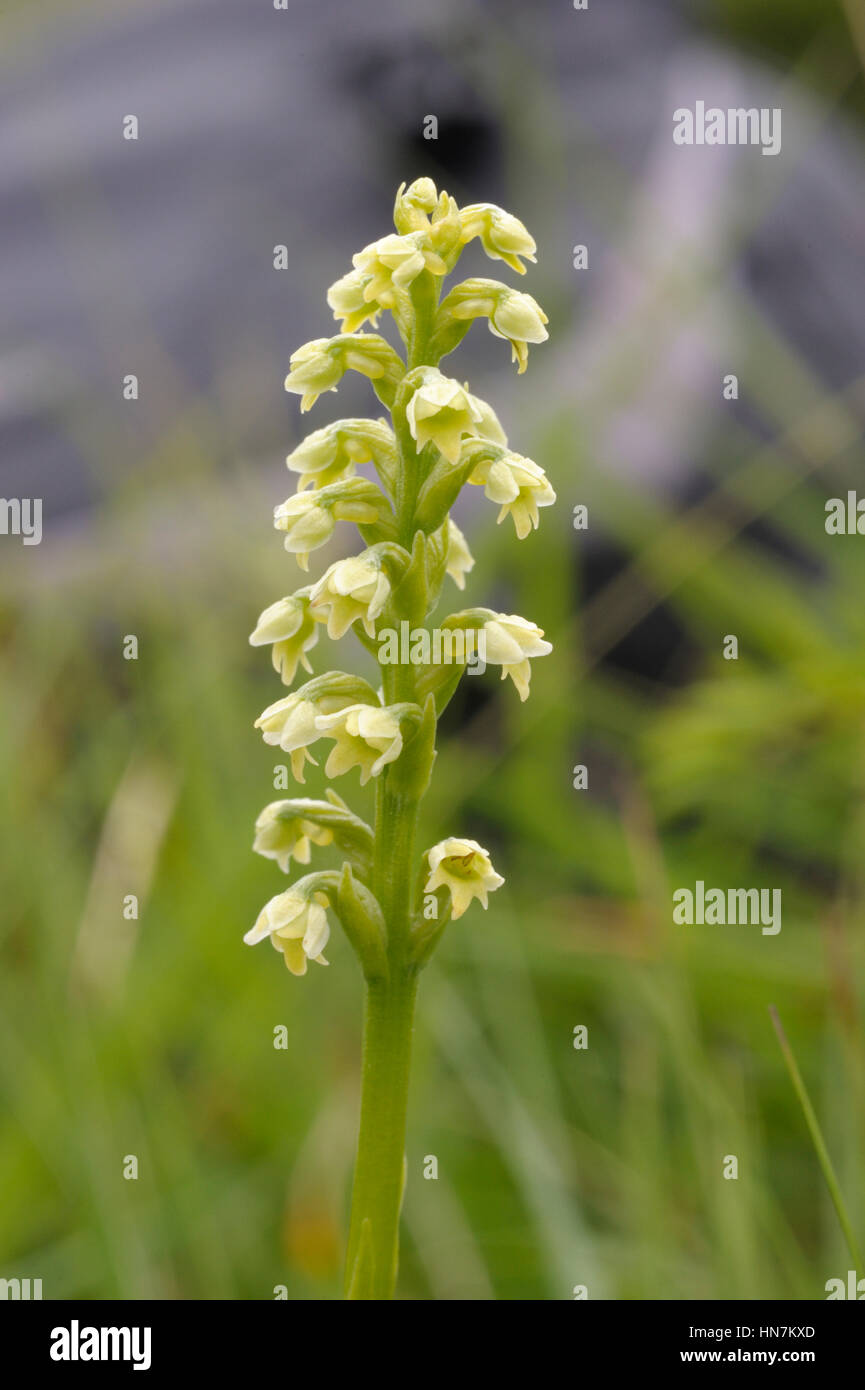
[{"x": 556, "y": 1167}]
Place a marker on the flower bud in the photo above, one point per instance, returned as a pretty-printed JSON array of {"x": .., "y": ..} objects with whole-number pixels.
[
  {"x": 307, "y": 525},
  {"x": 413, "y": 206},
  {"x": 314, "y": 370},
  {"x": 289, "y": 723}
]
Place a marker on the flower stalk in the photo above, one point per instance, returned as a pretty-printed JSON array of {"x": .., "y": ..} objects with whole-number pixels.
[{"x": 393, "y": 906}]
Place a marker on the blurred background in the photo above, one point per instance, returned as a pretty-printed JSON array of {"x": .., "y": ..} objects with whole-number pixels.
[{"x": 154, "y": 1037}]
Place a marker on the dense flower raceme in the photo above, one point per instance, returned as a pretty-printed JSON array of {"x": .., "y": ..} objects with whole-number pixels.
[{"x": 439, "y": 438}]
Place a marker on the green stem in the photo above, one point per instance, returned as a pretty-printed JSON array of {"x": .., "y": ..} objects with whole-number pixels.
[{"x": 379, "y": 1177}]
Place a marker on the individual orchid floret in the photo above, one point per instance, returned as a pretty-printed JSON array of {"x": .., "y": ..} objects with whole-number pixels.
[
  {"x": 289, "y": 723},
  {"x": 288, "y": 829},
  {"x": 289, "y": 626},
  {"x": 364, "y": 737},
  {"x": 308, "y": 518},
  {"x": 459, "y": 558},
  {"x": 320, "y": 365},
  {"x": 357, "y": 587},
  {"x": 512, "y": 642},
  {"x": 511, "y": 314},
  {"x": 503, "y": 236},
  {"x": 520, "y": 319},
  {"x": 350, "y": 305},
  {"x": 392, "y": 263},
  {"x": 519, "y": 486},
  {"x": 464, "y": 868},
  {"x": 442, "y": 412},
  {"x": 283, "y": 832},
  {"x": 296, "y": 923},
  {"x": 332, "y": 453}
]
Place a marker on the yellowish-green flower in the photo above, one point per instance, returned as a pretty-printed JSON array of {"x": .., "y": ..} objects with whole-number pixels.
[
  {"x": 442, "y": 411},
  {"x": 306, "y": 524},
  {"x": 308, "y": 518},
  {"x": 296, "y": 925},
  {"x": 289, "y": 724},
  {"x": 392, "y": 263},
  {"x": 464, "y": 868},
  {"x": 283, "y": 833},
  {"x": 330, "y": 454},
  {"x": 290, "y": 627},
  {"x": 503, "y": 236},
  {"x": 350, "y": 589},
  {"x": 314, "y": 369},
  {"x": 364, "y": 736},
  {"x": 348, "y": 302},
  {"x": 519, "y": 318},
  {"x": 320, "y": 365},
  {"x": 519, "y": 486},
  {"x": 511, "y": 314},
  {"x": 512, "y": 642},
  {"x": 460, "y": 559}
]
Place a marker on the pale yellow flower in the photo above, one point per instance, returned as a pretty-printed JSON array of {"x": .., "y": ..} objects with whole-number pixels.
[
  {"x": 296, "y": 925},
  {"x": 518, "y": 485},
  {"x": 519, "y": 318},
  {"x": 289, "y": 724},
  {"x": 392, "y": 263},
  {"x": 350, "y": 589},
  {"x": 283, "y": 833},
  {"x": 329, "y": 455},
  {"x": 503, "y": 236},
  {"x": 365, "y": 736},
  {"x": 346, "y": 298},
  {"x": 464, "y": 868},
  {"x": 313, "y": 371},
  {"x": 442, "y": 411},
  {"x": 290, "y": 627},
  {"x": 511, "y": 642}
]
